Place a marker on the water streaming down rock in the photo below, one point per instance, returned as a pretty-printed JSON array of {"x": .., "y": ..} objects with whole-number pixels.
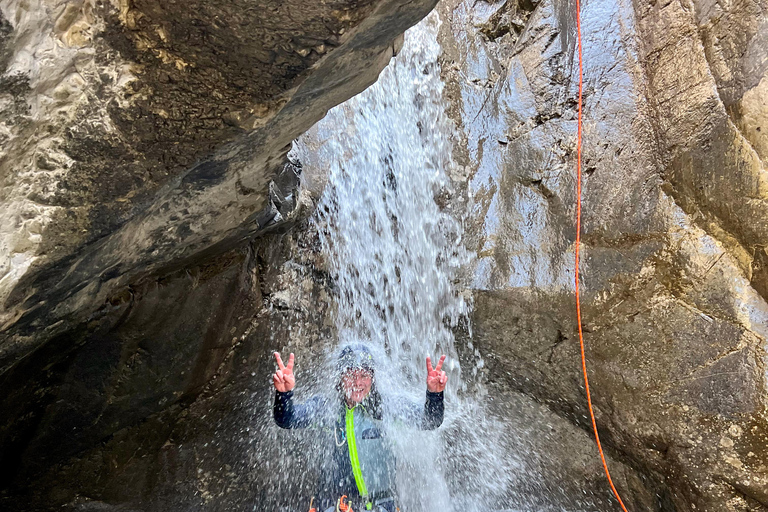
[
  {"x": 395, "y": 257},
  {"x": 398, "y": 277}
]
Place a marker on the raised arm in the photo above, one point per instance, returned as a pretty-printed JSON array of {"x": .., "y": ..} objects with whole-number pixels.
[
  {"x": 286, "y": 413},
  {"x": 430, "y": 415}
]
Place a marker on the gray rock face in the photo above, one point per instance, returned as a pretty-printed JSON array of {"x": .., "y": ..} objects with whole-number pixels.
[
  {"x": 674, "y": 228},
  {"x": 167, "y": 405},
  {"x": 141, "y": 137}
]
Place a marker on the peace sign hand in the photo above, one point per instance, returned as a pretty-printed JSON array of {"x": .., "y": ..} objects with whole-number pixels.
[
  {"x": 283, "y": 378},
  {"x": 436, "y": 377}
]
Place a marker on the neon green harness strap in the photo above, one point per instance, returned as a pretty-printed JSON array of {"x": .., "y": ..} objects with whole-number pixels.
[{"x": 353, "y": 459}]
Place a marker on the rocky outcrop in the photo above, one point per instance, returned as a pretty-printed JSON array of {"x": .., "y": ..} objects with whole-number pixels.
[
  {"x": 675, "y": 207},
  {"x": 142, "y": 146},
  {"x": 139, "y": 136}
]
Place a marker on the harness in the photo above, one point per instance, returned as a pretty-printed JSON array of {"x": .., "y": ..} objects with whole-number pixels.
[
  {"x": 354, "y": 459},
  {"x": 370, "y": 455}
]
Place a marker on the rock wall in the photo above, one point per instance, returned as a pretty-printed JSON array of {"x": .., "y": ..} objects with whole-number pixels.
[
  {"x": 675, "y": 206},
  {"x": 140, "y": 137},
  {"x": 167, "y": 404}
]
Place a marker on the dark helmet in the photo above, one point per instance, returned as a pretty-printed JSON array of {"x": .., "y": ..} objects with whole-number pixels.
[{"x": 356, "y": 355}]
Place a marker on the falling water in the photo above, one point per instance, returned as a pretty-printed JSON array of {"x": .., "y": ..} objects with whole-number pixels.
[
  {"x": 394, "y": 252},
  {"x": 395, "y": 256}
]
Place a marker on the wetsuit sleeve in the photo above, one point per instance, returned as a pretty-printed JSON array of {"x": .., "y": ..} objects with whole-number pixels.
[
  {"x": 288, "y": 414},
  {"x": 434, "y": 410}
]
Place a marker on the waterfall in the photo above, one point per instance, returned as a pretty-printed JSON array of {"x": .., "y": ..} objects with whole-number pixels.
[{"x": 395, "y": 254}]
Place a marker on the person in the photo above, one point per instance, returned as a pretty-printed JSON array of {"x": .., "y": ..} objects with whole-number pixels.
[{"x": 362, "y": 466}]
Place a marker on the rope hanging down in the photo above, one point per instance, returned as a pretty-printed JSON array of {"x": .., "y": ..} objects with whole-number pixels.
[{"x": 578, "y": 246}]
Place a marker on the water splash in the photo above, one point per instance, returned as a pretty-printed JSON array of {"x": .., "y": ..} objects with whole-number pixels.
[{"x": 395, "y": 255}]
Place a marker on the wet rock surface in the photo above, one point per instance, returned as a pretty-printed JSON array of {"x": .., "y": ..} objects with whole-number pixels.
[
  {"x": 674, "y": 306},
  {"x": 166, "y": 405}
]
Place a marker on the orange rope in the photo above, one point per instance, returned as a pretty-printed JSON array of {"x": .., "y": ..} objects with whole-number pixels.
[
  {"x": 343, "y": 507},
  {"x": 578, "y": 246}
]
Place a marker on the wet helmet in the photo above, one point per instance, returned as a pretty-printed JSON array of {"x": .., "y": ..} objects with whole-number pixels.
[{"x": 356, "y": 356}]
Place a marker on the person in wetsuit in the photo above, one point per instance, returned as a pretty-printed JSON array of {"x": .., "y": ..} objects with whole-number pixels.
[{"x": 362, "y": 466}]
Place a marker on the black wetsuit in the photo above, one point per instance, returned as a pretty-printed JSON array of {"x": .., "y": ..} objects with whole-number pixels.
[{"x": 337, "y": 475}]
